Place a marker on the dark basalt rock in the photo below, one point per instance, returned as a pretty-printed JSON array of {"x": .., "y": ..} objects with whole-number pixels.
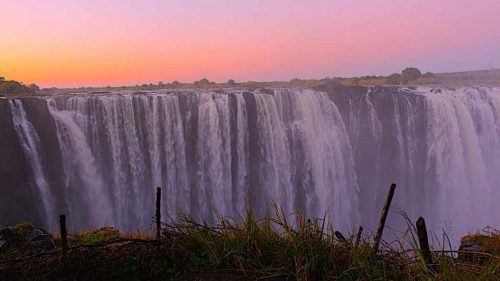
[
  {"x": 41, "y": 239},
  {"x": 470, "y": 246},
  {"x": 25, "y": 238},
  {"x": 6, "y": 236},
  {"x": 468, "y": 250}
]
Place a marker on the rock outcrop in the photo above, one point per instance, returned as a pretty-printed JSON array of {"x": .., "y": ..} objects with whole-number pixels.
[{"x": 26, "y": 238}]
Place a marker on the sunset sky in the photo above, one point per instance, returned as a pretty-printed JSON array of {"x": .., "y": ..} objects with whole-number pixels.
[{"x": 124, "y": 42}]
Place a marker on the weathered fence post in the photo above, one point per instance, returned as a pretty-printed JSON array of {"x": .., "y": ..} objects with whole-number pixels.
[
  {"x": 64, "y": 234},
  {"x": 158, "y": 213},
  {"x": 340, "y": 236},
  {"x": 424, "y": 242},
  {"x": 380, "y": 230},
  {"x": 358, "y": 237}
]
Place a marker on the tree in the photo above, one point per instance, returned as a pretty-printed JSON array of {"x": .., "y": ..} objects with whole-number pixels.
[
  {"x": 231, "y": 82},
  {"x": 2, "y": 79},
  {"x": 34, "y": 87},
  {"x": 176, "y": 84},
  {"x": 203, "y": 83},
  {"x": 410, "y": 74},
  {"x": 14, "y": 88}
]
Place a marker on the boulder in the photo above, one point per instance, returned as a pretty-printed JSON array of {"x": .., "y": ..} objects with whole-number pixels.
[
  {"x": 467, "y": 250},
  {"x": 478, "y": 247},
  {"x": 25, "y": 238},
  {"x": 6, "y": 236},
  {"x": 41, "y": 239}
]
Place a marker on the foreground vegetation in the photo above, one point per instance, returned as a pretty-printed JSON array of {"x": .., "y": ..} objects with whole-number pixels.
[{"x": 267, "y": 249}]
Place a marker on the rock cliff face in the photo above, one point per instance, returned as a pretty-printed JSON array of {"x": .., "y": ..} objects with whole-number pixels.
[
  {"x": 15, "y": 180},
  {"x": 334, "y": 150}
]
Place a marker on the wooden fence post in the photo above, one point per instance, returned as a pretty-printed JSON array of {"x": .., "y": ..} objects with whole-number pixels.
[
  {"x": 381, "y": 225},
  {"x": 358, "y": 237},
  {"x": 424, "y": 242},
  {"x": 158, "y": 213},
  {"x": 340, "y": 236},
  {"x": 64, "y": 234}
]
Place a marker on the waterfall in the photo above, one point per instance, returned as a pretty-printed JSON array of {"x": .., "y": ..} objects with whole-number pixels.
[
  {"x": 83, "y": 182},
  {"x": 30, "y": 143},
  {"x": 317, "y": 152},
  {"x": 464, "y": 154}
]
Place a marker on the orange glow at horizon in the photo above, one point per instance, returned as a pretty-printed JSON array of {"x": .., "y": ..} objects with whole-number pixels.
[{"x": 89, "y": 43}]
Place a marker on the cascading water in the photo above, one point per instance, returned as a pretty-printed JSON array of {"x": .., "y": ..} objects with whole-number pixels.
[
  {"x": 464, "y": 155},
  {"x": 309, "y": 151},
  {"x": 30, "y": 143},
  {"x": 80, "y": 170}
]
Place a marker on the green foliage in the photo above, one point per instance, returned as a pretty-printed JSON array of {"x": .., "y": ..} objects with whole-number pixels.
[
  {"x": 25, "y": 225},
  {"x": 394, "y": 79},
  {"x": 175, "y": 84},
  {"x": 94, "y": 237},
  {"x": 410, "y": 74},
  {"x": 203, "y": 83},
  {"x": 127, "y": 269},
  {"x": 308, "y": 251},
  {"x": 22, "y": 228},
  {"x": 12, "y": 87},
  {"x": 489, "y": 242},
  {"x": 271, "y": 246}
]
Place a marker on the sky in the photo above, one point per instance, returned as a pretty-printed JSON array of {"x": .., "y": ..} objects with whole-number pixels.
[{"x": 124, "y": 42}]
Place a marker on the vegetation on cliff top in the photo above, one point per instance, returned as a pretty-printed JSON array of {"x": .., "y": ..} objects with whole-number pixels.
[
  {"x": 11, "y": 87},
  {"x": 408, "y": 76}
]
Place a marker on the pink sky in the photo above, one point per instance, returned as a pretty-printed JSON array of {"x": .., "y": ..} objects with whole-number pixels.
[{"x": 91, "y": 42}]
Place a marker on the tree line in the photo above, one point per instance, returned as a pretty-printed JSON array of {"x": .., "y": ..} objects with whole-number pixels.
[{"x": 12, "y": 87}]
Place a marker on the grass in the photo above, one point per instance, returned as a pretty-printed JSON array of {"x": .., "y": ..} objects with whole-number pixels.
[
  {"x": 94, "y": 237},
  {"x": 489, "y": 240},
  {"x": 310, "y": 251},
  {"x": 273, "y": 247},
  {"x": 246, "y": 249},
  {"x": 25, "y": 225}
]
